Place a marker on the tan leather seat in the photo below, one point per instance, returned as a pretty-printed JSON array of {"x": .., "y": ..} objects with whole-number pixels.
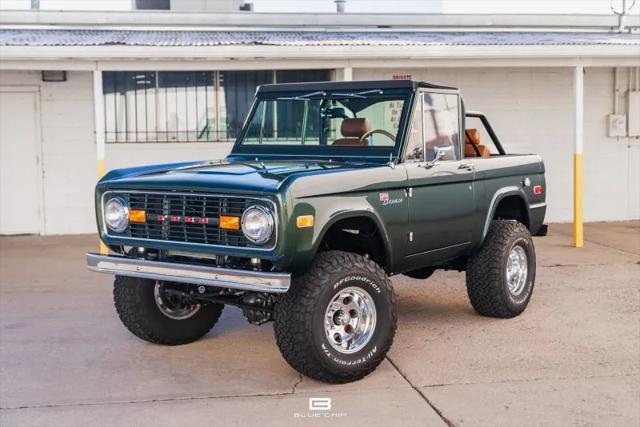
[
  {"x": 352, "y": 130},
  {"x": 472, "y": 146}
]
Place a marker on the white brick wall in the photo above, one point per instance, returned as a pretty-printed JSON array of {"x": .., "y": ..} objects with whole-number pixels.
[
  {"x": 69, "y": 151},
  {"x": 531, "y": 110},
  {"x": 611, "y": 165}
]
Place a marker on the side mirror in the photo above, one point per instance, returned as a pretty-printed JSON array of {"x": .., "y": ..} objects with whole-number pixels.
[
  {"x": 442, "y": 153},
  {"x": 446, "y": 153}
]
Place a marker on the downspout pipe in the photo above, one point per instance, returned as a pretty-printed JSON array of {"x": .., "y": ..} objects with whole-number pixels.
[{"x": 616, "y": 89}]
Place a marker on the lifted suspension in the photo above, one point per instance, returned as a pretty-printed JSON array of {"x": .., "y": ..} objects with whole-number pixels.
[{"x": 256, "y": 307}]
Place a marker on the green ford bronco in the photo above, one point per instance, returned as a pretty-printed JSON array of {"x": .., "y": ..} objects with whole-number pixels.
[{"x": 330, "y": 189}]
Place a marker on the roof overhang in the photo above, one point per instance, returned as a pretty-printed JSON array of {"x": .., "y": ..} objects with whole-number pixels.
[{"x": 55, "y": 46}]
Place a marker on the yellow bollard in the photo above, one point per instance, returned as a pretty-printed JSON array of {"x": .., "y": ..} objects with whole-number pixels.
[{"x": 578, "y": 229}]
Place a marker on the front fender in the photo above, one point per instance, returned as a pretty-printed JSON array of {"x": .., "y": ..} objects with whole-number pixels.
[{"x": 327, "y": 211}]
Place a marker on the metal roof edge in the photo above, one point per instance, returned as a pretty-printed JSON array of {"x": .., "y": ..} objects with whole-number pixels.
[{"x": 377, "y": 53}]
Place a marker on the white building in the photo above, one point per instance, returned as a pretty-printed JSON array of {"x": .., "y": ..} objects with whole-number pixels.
[{"x": 143, "y": 87}]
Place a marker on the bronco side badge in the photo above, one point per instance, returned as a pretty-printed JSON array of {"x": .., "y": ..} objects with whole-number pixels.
[{"x": 387, "y": 200}]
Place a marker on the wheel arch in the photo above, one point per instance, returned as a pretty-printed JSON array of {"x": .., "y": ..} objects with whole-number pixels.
[
  {"x": 509, "y": 203},
  {"x": 352, "y": 217}
]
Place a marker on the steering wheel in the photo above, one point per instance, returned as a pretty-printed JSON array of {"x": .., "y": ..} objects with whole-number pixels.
[{"x": 380, "y": 131}]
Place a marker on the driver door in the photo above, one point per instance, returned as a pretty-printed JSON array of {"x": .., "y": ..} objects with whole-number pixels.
[{"x": 441, "y": 204}]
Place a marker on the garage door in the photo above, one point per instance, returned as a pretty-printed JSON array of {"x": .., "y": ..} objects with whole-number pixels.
[{"x": 19, "y": 161}]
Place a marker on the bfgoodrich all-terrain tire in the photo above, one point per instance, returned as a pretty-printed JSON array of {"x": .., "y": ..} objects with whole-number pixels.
[
  {"x": 338, "y": 320},
  {"x": 501, "y": 276},
  {"x": 152, "y": 315}
]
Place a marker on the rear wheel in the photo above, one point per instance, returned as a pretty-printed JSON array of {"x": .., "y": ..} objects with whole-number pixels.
[
  {"x": 501, "y": 276},
  {"x": 153, "y": 314},
  {"x": 338, "y": 320}
]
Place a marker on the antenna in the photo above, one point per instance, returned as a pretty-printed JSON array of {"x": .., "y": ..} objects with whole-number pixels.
[{"x": 623, "y": 13}]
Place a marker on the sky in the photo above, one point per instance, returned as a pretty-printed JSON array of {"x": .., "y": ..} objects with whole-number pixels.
[{"x": 369, "y": 6}]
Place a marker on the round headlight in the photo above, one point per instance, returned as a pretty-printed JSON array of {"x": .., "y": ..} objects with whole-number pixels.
[
  {"x": 257, "y": 224},
  {"x": 116, "y": 214}
]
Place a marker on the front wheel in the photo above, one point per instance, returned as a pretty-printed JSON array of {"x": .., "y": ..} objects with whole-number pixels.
[
  {"x": 500, "y": 277},
  {"x": 338, "y": 320},
  {"x": 153, "y": 314}
]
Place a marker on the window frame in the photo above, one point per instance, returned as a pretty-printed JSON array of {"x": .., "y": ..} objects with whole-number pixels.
[
  {"x": 419, "y": 99},
  {"x": 371, "y": 153},
  {"x": 418, "y": 104}
]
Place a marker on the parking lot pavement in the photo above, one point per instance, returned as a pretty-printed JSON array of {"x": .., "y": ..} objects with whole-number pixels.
[{"x": 572, "y": 358}]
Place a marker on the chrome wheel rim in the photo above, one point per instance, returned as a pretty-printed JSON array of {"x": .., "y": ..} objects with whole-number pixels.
[
  {"x": 172, "y": 308},
  {"x": 517, "y": 270},
  {"x": 350, "y": 320}
]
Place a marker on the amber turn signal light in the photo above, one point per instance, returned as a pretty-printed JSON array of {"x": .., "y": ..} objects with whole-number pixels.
[
  {"x": 137, "y": 216},
  {"x": 304, "y": 221},
  {"x": 229, "y": 222}
]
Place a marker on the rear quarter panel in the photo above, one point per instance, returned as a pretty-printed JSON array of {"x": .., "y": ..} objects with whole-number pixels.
[{"x": 498, "y": 177}]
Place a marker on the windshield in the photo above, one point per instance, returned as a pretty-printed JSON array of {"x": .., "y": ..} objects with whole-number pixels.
[{"x": 321, "y": 121}]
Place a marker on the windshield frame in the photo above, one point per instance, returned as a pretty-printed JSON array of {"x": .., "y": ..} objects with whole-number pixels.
[{"x": 380, "y": 154}]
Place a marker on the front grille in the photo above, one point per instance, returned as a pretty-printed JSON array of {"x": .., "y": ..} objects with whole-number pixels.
[{"x": 188, "y": 218}]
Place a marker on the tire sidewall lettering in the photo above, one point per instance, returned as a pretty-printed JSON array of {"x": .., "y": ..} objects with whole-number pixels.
[
  {"x": 332, "y": 356},
  {"x": 362, "y": 279}
]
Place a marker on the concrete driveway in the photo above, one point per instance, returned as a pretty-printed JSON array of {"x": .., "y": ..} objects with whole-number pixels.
[{"x": 572, "y": 358}]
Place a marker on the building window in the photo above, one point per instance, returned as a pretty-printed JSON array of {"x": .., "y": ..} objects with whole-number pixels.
[
  {"x": 159, "y": 107},
  {"x": 153, "y": 4},
  {"x": 192, "y": 106},
  {"x": 237, "y": 89}
]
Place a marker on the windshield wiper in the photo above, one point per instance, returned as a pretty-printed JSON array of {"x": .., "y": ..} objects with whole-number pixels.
[
  {"x": 304, "y": 97},
  {"x": 359, "y": 94}
]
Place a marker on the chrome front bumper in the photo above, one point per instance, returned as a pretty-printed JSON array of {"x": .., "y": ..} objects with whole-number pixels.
[{"x": 245, "y": 280}]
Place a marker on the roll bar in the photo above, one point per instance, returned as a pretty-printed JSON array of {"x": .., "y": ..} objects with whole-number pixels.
[{"x": 487, "y": 126}]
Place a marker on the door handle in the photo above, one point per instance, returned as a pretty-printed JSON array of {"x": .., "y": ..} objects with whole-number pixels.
[{"x": 466, "y": 166}]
